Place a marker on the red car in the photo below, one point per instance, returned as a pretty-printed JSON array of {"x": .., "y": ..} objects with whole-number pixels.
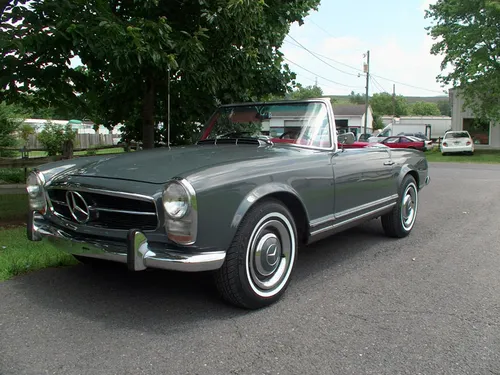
[{"x": 404, "y": 142}]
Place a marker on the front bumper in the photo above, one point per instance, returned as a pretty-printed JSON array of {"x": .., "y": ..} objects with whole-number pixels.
[{"x": 136, "y": 252}]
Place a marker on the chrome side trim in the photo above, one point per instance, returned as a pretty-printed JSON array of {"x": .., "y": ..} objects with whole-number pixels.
[
  {"x": 352, "y": 219},
  {"x": 366, "y": 206},
  {"x": 330, "y": 218}
]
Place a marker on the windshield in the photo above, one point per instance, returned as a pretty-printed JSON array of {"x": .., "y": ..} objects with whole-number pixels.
[
  {"x": 295, "y": 123},
  {"x": 457, "y": 135}
]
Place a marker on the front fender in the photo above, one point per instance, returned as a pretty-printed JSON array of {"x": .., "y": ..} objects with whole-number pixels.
[{"x": 258, "y": 193}]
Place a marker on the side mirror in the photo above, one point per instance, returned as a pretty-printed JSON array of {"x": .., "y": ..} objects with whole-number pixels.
[{"x": 346, "y": 138}]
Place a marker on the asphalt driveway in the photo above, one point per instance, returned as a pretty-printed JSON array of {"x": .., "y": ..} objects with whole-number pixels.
[{"x": 359, "y": 303}]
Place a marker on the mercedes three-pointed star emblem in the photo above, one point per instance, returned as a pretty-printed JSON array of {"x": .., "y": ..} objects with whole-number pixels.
[{"x": 80, "y": 210}]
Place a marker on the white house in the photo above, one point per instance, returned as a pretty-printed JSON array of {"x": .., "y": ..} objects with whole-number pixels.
[
  {"x": 484, "y": 134},
  {"x": 351, "y": 118}
]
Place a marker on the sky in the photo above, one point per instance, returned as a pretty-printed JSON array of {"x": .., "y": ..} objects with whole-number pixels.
[{"x": 392, "y": 30}]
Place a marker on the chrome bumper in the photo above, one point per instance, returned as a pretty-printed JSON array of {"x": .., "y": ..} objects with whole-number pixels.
[{"x": 137, "y": 253}]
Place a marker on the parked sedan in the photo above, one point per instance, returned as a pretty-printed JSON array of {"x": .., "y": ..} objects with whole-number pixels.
[
  {"x": 457, "y": 142},
  {"x": 404, "y": 142},
  {"x": 236, "y": 204}
]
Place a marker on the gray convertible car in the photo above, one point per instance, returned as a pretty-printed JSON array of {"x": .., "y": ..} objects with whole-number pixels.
[{"x": 263, "y": 180}]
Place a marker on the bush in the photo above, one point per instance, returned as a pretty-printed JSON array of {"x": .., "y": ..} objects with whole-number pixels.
[
  {"x": 11, "y": 118},
  {"x": 52, "y": 137}
]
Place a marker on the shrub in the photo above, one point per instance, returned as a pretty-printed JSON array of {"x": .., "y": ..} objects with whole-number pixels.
[
  {"x": 52, "y": 137},
  {"x": 11, "y": 118}
]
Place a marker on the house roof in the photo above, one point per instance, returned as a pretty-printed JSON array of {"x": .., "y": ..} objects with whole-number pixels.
[{"x": 348, "y": 109}]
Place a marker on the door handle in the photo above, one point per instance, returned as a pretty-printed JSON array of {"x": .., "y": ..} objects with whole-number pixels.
[{"x": 389, "y": 163}]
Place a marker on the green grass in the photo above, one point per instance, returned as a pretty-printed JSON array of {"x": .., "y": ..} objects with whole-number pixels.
[
  {"x": 18, "y": 255},
  {"x": 480, "y": 156},
  {"x": 13, "y": 207}
]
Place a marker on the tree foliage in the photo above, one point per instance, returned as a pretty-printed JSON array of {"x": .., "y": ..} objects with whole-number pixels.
[
  {"x": 467, "y": 33},
  {"x": 215, "y": 51},
  {"x": 444, "y": 107},
  {"x": 53, "y": 137},
  {"x": 424, "y": 109},
  {"x": 382, "y": 104},
  {"x": 308, "y": 92},
  {"x": 11, "y": 118},
  {"x": 356, "y": 98}
]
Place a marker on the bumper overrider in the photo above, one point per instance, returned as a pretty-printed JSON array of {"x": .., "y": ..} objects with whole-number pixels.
[
  {"x": 137, "y": 253},
  {"x": 46, "y": 221}
]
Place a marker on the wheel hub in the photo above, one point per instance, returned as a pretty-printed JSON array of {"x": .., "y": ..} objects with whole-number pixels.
[{"x": 267, "y": 254}]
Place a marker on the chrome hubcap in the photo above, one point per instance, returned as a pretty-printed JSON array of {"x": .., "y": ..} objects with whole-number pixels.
[
  {"x": 267, "y": 254},
  {"x": 409, "y": 207},
  {"x": 271, "y": 251}
]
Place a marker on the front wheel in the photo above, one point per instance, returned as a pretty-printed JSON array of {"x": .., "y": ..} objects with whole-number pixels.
[
  {"x": 261, "y": 258},
  {"x": 400, "y": 221}
]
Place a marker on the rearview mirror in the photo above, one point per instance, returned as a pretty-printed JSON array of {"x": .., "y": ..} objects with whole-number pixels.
[{"x": 346, "y": 138}]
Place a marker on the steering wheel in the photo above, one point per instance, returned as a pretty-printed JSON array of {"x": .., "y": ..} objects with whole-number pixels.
[{"x": 296, "y": 134}]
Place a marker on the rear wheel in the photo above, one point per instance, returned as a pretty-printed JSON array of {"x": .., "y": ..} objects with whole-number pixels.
[
  {"x": 261, "y": 258},
  {"x": 400, "y": 221}
]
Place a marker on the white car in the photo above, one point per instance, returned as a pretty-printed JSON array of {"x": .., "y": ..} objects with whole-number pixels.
[{"x": 457, "y": 141}]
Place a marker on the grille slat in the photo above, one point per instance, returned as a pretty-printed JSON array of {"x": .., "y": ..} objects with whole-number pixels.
[{"x": 108, "y": 211}]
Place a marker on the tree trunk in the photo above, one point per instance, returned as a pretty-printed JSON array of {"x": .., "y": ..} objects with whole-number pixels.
[{"x": 148, "y": 110}]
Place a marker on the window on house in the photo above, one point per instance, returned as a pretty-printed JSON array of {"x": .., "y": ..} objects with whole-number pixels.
[{"x": 478, "y": 130}]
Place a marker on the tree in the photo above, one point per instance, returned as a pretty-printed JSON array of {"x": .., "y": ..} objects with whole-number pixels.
[
  {"x": 424, "y": 109},
  {"x": 444, "y": 107},
  {"x": 11, "y": 118},
  {"x": 382, "y": 104},
  {"x": 308, "y": 92},
  {"x": 356, "y": 98},
  {"x": 467, "y": 34},
  {"x": 215, "y": 51}
]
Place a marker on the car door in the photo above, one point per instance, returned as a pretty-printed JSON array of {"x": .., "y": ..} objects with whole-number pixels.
[{"x": 364, "y": 180}]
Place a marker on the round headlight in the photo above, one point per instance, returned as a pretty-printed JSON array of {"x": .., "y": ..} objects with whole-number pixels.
[
  {"x": 176, "y": 201},
  {"x": 34, "y": 187}
]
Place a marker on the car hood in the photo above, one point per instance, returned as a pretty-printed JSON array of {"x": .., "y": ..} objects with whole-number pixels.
[{"x": 160, "y": 165}]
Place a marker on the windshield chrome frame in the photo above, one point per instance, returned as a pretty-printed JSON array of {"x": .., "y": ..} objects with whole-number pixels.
[{"x": 324, "y": 101}]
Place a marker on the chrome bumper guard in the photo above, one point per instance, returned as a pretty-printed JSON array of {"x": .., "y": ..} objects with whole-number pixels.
[{"x": 137, "y": 253}]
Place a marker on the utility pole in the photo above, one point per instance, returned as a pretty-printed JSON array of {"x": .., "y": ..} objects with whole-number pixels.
[
  {"x": 367, "y": 71},
  {"x": 393, "y": 100},
  {"x": 316, "y": 82},
  {"x": 168, "y": 109}
]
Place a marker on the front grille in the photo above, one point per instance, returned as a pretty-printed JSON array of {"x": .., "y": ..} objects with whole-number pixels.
[{"x": 105, "y": 210}]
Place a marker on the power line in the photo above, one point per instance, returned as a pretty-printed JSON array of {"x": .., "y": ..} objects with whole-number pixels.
[
  {"x": 326, "y": 79},
  {"x": 323, "y": 61},
  {"x": 377, "y": 84},
  {"x": 406, "y": 84},
  {"x": 349, "y": 66},
  {"x": 328, "y": 58}
]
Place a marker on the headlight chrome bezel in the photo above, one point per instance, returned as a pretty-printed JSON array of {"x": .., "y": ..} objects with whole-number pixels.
[{"x": 181, "y": 229}]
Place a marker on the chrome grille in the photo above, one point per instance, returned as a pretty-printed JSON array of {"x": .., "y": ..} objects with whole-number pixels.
[{"x": 106, "y": 210}]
